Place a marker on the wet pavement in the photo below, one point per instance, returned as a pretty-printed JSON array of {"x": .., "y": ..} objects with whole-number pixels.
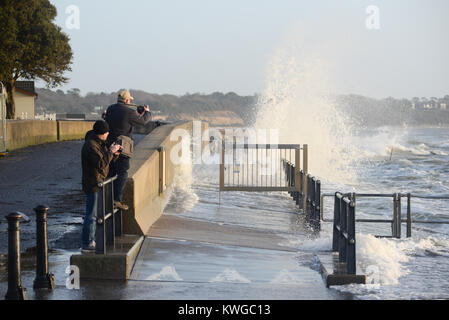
[
  {"x": 207, "y": 251},
  {"x": 48, "y": 174}
]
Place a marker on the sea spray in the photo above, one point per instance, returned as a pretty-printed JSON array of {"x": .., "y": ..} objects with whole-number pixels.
[
  {"x": 182, "y": 198},
  {"x": 296, "y": 102},
  {"x": 230, "y": 275},
  {"x": 167, "y": 273}
]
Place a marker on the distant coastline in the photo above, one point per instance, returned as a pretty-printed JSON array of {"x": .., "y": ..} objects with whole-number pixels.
[{"x": 230, "y": 109}]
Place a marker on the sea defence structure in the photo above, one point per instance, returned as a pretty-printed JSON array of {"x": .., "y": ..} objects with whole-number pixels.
[{"x": 148, "y": 187}]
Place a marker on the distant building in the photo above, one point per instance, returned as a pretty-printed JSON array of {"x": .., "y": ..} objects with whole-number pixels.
[
  {"x": 25, "y": 100},
  {"x": 443, "y": 106}
]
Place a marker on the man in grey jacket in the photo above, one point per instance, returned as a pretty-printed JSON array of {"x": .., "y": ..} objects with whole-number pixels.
[{"x": 122, "y": 118}]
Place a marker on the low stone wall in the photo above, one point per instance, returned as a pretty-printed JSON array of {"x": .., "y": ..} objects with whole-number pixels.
[
  {"x": 25, "y": 133},
  {"x": 73, "y": 130}
]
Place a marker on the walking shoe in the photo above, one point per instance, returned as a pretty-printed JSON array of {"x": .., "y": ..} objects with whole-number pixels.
[
  {"x": 119, "y": 205},
  {"x": 90, "y": 248}
]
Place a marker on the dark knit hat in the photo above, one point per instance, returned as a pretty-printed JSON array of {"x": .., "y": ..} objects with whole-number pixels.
[{"x": 101, "y": 127}]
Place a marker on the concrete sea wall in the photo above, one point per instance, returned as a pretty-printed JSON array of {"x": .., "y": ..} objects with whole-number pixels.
[
  {"x": 151, "y": 176},
  {"x": 150, "y": 179},
  {"x": 25, "y": 133}
]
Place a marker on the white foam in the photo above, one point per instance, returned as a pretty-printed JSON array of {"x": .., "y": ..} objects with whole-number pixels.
[
  {"x": 230, "y": 275},
  {"x": 386, "y": 257},
  {"x": 286, "y": 277},
  {"x": 167, "y": 273},
  {"x": 384, "y": 254},
  {"x": 323, "y": 243},
  {"x": 391, "y": 255},
  {"x": 421, "y": 150},
  {"x": 183, "y": 197},
  {"x": 297, "y": 103}
]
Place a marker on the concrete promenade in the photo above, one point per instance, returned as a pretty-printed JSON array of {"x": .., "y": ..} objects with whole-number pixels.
[{"x": 205, "y": 252}]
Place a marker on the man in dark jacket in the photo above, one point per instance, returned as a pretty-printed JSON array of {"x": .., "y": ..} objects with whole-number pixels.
[
  {"x": 95, "y": 159},
  {"x": 122, "y": 119}
]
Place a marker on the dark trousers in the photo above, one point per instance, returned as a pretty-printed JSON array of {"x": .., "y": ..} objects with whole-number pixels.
[
  {"x": 120, "y": 168},
  {"x": 90, "y": 224}
]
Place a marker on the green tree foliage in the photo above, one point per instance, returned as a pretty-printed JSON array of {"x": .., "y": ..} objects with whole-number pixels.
[{"x": 32, "y": 46}]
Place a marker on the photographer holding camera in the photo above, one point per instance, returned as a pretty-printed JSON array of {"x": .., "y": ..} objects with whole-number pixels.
[{"x": 122, "y": 119}]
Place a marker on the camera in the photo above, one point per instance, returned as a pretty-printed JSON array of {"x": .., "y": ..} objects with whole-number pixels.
[
  {"x": 140, "y": 109},
  {"x": 120, "y": 143}
]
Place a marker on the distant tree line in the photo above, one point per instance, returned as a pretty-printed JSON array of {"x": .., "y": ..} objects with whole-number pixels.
[
  {"x": 364, "y": 110},
  {"x": 391, "y": 111},
  {"x": 172, "y": 106}
]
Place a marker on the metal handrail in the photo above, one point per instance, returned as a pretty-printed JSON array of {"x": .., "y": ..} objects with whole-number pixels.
[
  {"x": 109, "y": 219},
  {"x": 396, "y": 221},
  {"x": 265, "y": 146},
  {"x": 107, "y": 181},
  {"x": 308, "y": 196},
  {"x": 258, "y": 167},
  {"x": 343, "y": 240}
]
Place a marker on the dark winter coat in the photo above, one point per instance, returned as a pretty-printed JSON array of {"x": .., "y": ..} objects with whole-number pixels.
[
  {"x": 95, "y": 160},
  {"x": 122, "y": 118}
]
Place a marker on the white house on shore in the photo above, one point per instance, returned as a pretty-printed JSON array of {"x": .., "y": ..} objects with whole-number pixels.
[{"x": 25, "y": 100}]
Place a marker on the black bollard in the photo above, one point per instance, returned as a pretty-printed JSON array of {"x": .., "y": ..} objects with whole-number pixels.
[
  {"x": 44, "y": 279},
  {"x": 15, "y": 289}
]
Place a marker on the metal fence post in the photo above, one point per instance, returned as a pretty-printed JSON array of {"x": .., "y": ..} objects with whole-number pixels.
[
  {"x": 297, "y": 174},
  {"x": 312, "y": 201},
  {"x": 343, "y": 225},
  {"x": 318, "y": 205},
  {"x": 44, "y": 279},
  {"x": 335, "y": 237},
  {"x": 109, "y": 222},
  {"x": 351, "y": 258},
  {"x": 399, "y": 218},
  {"x": 309, "y": 197},
  {"x": 396, "y": 226},
  {"x": 222, "y": 169},
  {"x": 100, "y": 234},
  {"x": 393, "y": 224},
  {"x": 300, "y": 189},
  {"x": 292, "y": 178},
  {"x": 15, "y": 289},
  {"x": 289, "y": 176},
  {"x": 305, "y": 168},
  {"x": 409, "y": 216}
]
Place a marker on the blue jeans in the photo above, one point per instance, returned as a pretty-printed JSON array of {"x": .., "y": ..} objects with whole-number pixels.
[
  {"x": 90, "y": 223},
  {"x": 120, "y": 168}
]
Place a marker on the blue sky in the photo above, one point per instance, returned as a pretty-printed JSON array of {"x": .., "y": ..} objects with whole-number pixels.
[{"x": 205, "y": 46}]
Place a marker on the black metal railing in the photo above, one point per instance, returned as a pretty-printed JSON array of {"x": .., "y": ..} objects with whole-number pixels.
[
  {"x": 343, "y": 240},
  {"x": 396, "y": 221},
  {"x": 109, "y": 219},
  {"x": 314, "y": 202},
  {"x": 309, "y": 195}
]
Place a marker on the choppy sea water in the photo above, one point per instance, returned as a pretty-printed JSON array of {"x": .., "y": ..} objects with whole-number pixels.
[
  {"x": 396, "y": 268},
  {"x": 401, "y": 268}
]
